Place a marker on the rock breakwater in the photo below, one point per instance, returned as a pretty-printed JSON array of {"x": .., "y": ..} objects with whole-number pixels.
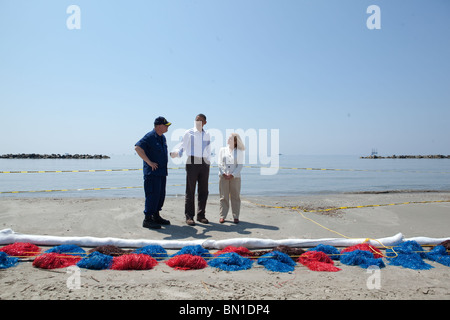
[
  {"x": 52, "y": 156},
  {"x": 433, "y": 156}
]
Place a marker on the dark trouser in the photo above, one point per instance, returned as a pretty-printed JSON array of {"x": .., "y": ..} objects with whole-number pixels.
[
  {"x": 196, "y": 172},
  {"x": 155, "y": 193}
]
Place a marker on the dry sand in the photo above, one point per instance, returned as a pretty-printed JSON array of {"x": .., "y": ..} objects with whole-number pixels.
[{"x": 122, "y": 218}]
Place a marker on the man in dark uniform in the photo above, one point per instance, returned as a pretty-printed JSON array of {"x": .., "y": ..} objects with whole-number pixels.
[{"x": 152, "y": 148}]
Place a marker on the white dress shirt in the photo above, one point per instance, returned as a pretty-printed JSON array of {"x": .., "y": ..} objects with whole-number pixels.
[
  {"x": 230, "y": 161},
  {"x": 196, "y": 143}
]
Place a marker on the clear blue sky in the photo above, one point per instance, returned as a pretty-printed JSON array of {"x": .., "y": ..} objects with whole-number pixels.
[{"x": 310, "y": 68}]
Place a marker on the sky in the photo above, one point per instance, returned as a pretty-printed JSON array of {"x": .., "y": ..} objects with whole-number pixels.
[{"x": 311, "y": 69}]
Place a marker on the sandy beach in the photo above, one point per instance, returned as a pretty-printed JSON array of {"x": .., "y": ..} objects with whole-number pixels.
[{"x": 122, "y": 218}]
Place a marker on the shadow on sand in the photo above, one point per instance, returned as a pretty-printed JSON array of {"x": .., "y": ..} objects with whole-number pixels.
[{"x": 203, "y": 231}]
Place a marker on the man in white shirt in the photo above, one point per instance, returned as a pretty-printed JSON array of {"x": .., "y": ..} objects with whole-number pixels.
[{"x": 197, "y": 145}]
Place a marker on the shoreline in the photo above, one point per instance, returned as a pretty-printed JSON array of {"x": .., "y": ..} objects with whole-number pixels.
[
  {"x": 398, "y": 191},
  {"x": 64, "y": 194}
]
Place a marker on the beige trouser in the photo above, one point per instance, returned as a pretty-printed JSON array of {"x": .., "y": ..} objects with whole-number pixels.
[{"x": 230, "y": 190}]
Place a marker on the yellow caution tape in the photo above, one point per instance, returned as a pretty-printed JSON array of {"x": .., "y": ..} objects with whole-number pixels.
[
  {"x": 87, "y": 189},
  {"x": 346, "y": 207},
  {"x": 68, "y": 190},
  {"x": 66, "y": 171},
  {"x": 254, "y": 167},
  {"x": 301, "y": 211}
]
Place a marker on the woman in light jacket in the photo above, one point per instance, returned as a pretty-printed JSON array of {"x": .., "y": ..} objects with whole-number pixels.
[{"x": 230, "y": 162}]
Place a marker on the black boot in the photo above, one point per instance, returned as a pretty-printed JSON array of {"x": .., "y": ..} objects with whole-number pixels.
[
  {"x": 150, "y": 224},
  {"x": 157, "y": 219}
]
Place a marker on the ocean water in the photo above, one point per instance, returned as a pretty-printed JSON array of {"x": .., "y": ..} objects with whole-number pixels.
[{"x": 344, "y": 174}]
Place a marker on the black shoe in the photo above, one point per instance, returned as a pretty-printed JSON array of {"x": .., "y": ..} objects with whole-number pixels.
[
  {"x": 157, "y": 219},
  {"x": 150, "y": 224}
]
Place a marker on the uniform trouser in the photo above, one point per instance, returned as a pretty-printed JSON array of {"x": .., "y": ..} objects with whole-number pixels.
[
  {"x": 155, "y": 193},
  {"x": 196, "y": 173},
  {"x": 230, "y": 190}
]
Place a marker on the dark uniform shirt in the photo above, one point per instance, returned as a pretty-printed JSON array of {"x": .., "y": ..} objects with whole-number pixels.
[{"x": 155, "y": 148}]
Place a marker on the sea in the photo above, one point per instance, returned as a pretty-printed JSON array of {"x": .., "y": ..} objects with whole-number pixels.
[{"x": 121, "y": 176}]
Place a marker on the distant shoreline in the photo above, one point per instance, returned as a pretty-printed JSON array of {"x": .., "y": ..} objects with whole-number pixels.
[
  {"x": 432, "y": 156},
  {"x": 53, "y": 156}
]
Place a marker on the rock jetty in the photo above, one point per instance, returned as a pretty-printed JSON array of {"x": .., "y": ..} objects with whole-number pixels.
[
  {"x": 433, "y": 156},
  {"x": 52, "y": 156}
]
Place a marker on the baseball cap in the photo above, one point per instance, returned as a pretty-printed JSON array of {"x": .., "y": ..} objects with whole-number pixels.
[{"x": 162, "y": 120}]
